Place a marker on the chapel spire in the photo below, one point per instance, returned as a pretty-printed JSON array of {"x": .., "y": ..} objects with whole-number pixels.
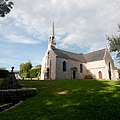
[
  {"x": 52, "y": 41},
  {"x": 53, "y": 28}
]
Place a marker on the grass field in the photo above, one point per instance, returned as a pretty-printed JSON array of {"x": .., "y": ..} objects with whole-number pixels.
[
  {"x": 69, "y": 100},
  {"x": 1, "y": 79}
]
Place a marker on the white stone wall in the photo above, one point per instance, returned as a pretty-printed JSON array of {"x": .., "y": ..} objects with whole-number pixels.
[
  {"x": 114, "y": 72},
  {"x": 43, "y": 66},
  {"x": 60, "y": 74},
  {"x": 103, "y": 66},
  {"x": 49, "y": 61},
  {"x": 52, "y": 65},
  {"x": 95, "y": 67}
]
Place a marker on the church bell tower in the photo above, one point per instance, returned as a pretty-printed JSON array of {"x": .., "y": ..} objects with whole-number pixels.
[{"x": 52, "y": 41}]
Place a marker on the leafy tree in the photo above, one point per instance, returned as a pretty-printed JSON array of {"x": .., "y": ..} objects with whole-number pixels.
[
  {"x": 24, "y": 69},
  {"x": 5, "y": 7},
  {"x": 35, "y": 72},
  {"x": 4, "y": 73},
  {"x": 114, "y": 43},
  {"x": 2, "y": 68}
]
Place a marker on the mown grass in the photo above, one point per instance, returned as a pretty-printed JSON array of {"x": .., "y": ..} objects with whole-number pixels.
[
  {"x": 69, "y": 100},
  {"x": 1, "y": 79}
]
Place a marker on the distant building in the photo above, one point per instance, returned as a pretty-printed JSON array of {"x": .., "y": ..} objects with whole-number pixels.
[{"x": 60, "y": 64}]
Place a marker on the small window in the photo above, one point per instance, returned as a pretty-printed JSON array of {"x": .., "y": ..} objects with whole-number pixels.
[
  {"x": 64, "y": 66},
  {"x": 48, "y": 54},
  {"x": 109, "y": 65},
  {"x": 81, "y": 68},
  {"x": 52, "y": 37}
]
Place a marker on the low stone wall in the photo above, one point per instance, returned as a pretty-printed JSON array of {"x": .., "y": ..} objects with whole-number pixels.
[
  {"x": 5, "y": 106},
  {"x": 17, "y": 94}
]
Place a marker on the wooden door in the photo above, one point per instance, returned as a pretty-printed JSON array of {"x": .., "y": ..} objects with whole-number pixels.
[{"x": 100, "y": 74}]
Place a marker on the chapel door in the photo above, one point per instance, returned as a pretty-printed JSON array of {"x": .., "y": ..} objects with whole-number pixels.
[
  {"x": 100, "y": 74},
  {"x": 48, "y": 72},
  {"x": 74, "y": 74},
  {"x": 109, "y": 71}
]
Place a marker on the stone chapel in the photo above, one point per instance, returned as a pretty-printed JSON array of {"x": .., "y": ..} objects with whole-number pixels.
[{"x": 59, "y": 64}]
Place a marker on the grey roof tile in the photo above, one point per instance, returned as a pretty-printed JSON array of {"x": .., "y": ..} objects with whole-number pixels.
[
  {"x": 95, "y": 56},
  {"x": 89, "y": 57},
  {"x": 69, "y": 55}
]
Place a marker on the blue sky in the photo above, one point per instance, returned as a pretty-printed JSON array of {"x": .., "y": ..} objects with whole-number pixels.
[{"x": 80, "y": 26}]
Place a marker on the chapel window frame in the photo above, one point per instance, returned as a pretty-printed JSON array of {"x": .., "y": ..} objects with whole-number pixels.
[
  {"x": 81, "y": 68},
  {"x": 64, "y": 66}
]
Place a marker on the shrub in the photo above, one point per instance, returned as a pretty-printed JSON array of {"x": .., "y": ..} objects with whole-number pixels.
[
  {"x": 4, "y": 73},
  {"x": 24, "y": 74},
  {"x": 88, "y": 76},
  {"x": 34, "y": 72},
  {"x": 24, "y": 69}
]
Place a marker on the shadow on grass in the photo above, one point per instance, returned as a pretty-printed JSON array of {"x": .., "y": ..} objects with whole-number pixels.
[{"x": 69, "y": 100}]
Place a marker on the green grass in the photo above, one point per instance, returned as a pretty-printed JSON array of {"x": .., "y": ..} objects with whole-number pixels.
[
  {"x": 1, "y": 79},
  {"x": 69, "y": 100}
]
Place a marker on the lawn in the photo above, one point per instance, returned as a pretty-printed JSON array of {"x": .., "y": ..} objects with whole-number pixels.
[
  {"x": 1, "y": 79},
  {"x": 69, "y": 100}
]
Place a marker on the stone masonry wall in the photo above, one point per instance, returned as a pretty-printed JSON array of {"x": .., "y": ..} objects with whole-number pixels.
[{"x": 60, "y": 74}]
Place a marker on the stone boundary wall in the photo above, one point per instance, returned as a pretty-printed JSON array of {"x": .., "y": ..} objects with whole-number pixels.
[
  {"x": 5, "y": 106},
  {"x": 17, "y": 94}
]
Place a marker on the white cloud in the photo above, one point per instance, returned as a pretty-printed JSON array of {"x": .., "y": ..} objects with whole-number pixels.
[
  {"x": 20, "y": 39},
  {"x": 80, "y": 23}
]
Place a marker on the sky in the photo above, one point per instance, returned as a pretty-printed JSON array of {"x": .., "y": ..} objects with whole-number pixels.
[{"x": 81, "y": 26}]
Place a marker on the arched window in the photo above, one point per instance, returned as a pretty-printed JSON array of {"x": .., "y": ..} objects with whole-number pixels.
[
  {"x": 64, "y": 65},
  {"x": 48, "y": 54},
  {"x": 81, "y": 68}
]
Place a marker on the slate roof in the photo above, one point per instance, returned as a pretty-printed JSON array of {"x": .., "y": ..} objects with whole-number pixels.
[
  {"x": 89, "y": 57},
  {"x": 95, "y": 56},
  {"x": 69, "y": 55}
]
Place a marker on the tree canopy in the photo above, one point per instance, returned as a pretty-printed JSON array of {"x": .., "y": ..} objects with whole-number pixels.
[
  {"x": 5, "y": 7},
  {"x": 25, "y": 68},
  {"x": 114, "y": 43}
]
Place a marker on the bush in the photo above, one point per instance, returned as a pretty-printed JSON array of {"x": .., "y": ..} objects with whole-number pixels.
[
  {"x": 24, "y": 74},
  {"x": 34, "y": 72},
  {"x": 24, "y": 69},
  {"x": 88, "y": 76},
  {"x": 4, "y": 73}
]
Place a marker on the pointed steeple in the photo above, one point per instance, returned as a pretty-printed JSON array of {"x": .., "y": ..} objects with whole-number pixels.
[
  {"x": 53, "y": 29},
  {"x": 52, "y": 41}
]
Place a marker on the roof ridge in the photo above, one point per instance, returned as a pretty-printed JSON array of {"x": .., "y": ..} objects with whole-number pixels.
[
  {"x": 68, "y": 51},
  {"x": 95, "y": 51},
  {"x": 69, "y": 55}
]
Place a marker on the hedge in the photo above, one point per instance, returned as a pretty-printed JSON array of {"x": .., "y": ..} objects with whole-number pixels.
[
  {"x": 4, "y": 73},
  {"x": 12, "y": 95}
]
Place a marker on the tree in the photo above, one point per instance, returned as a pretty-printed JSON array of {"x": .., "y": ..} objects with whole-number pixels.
[
  {"x": 5, "y": 7},
  {"x": 2, "y": 68},
  {"x": 4, "y": 73},
  {"x": 35, "y": 72},
  {"x": 114, "y": 43},
  {"x": 24, "y": 69}
]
